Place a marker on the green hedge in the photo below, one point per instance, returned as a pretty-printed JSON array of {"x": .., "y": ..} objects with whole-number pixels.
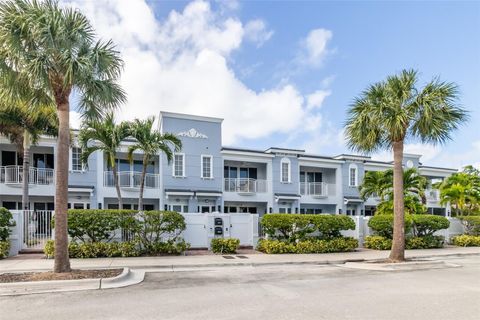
[
  {"x": 6, "y": 222},
  {"x": 377, "y": 243},
  {"x": 96, "y": 249},
  {"x": 420, "y": 225},
  {"x": 466, "y": 240},
  {"x": 426, "y": 225},
  {"x": 150, "y": 233},
  {"x": 4, "y": 249},
  {"x": 299, "y": 227},
  {"x": 471, "y": 225},
  {"x": 343, "y": 244},
  {"x": 225, "y": 245},
  {"x": 95, "y": 225},
  {"x": 384, "y": 243}
]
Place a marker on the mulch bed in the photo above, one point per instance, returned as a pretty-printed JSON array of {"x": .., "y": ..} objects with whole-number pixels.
[{"x": 46, "y": 276}]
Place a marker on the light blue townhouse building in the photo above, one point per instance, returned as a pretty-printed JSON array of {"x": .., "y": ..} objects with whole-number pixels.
[{"x": 206, "y": 177}]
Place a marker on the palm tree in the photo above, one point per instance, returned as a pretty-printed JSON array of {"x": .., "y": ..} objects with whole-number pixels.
[
  {"x": 380, "y": 183},
  {"x": 54, "y": 52},
  {"x": 106, "y": 136},
  {"x": 150, "y": 142},
  {"x": 390, "y": 112},
  {"x": 24, "y": 125},
  {"x": 462, "y": 191}
]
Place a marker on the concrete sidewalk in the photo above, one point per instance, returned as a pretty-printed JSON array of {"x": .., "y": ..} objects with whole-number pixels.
[{"x": 201, "y": 261}]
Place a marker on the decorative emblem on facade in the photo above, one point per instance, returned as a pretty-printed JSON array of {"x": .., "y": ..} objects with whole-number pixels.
[{"x": 192, "y": 133}]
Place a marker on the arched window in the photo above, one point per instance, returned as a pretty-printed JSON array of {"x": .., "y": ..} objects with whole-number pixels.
[
  {"x": 285, "y": 174},
  {"x": 353, "y": 175}
]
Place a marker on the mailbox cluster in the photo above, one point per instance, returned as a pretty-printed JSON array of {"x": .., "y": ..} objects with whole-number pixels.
[{"x": 218, "y": 226}]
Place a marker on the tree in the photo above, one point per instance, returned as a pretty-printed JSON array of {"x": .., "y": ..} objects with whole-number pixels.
[
  {"x": 462, "y": 191},
  {"x": 381, "y": 183},
  {"x": 393, "y": 111},
  {"x": 103, "y": 134},
  {"x": 150, "y": 142},
  {"x": 24, "y": 125},
  {"x": 53, "y": 51}
]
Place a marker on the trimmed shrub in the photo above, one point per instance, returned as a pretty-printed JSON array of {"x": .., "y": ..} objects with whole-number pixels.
[
  {"x": 382, "y": 224},
  {"x": 225, "y": 245},
  {"x": 343, "y": 244},
  {"x": 425, "y": 242},
  {"x": 471, "y": 225},
  {"x": 159, "y": 232},
  {"x": 466, "y": 240},
  {"x": 4, "y": 249},
  {"x": 426, "y": 225},
  {"x": 296, "y": 227},
  {"x": 6, "y": 222},
  {"x": 96, "y": 225},
  {"x": 377, "y": 243},
  {"x": 95, "y": 249}
]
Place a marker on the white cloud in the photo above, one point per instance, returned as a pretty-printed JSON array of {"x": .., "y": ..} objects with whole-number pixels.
[
  {"x": 256, "y": 31},
  {"x": 314, "y": 47},
  {"x": 180, "y": 64},
  {"x": 428, "y": 152},
  {"x": 75, "y": 120},
  {"x": 315, "y": 100}
]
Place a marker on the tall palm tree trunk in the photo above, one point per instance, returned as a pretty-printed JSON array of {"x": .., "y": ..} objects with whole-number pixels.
[
  {"x": 397, "y": 253},
  {"x": 117, "y": 187},
  {"x": 142, "y": 184},
  {"x": 62, "y": 263},
  {"x": 26, "y": 170}
]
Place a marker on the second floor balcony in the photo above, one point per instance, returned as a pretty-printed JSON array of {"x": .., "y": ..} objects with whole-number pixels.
[
  {"x": 317, "y": 189},
  {"x": 131, "y": 179},
  {"x": 245, "y": 185},
  {"x": 13, "y": 175}
]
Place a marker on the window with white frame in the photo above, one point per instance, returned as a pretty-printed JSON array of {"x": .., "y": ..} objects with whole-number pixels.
[
  {"x": 179, "y": 165},
  {"x": 285, "y": 170},
  {"x": 76, "y": 161},
  {"x": 353, "y": 175},
  {"x": 206, "y": 167}
]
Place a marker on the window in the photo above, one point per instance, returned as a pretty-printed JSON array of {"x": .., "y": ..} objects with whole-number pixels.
[
  {"x": 285, "y": 171},
  {"x": 352, "y": 179},
  {"x": 179, "y": 165},
  {"x": 76, "y": 163},
  {"x": 207, "y": 167}
]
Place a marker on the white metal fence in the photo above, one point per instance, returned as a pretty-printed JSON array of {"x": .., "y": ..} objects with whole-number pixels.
[
  {"x": 245, "y": 185},
  {"x": 14, "y": 175},
  {"x": 37, "y": 228},
  {"x": 131, "y": 179}
]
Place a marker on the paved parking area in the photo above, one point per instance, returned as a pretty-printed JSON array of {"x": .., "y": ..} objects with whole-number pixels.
[{"x": 271, "y": 292}]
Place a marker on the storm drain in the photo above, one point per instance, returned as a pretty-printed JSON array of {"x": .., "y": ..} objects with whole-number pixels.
[
  {"x": 242, "y": 257},
  {"x": 228, "y": 257}
]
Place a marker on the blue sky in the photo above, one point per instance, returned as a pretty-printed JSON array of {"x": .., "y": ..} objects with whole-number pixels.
[{"x": 255, "y": 55}]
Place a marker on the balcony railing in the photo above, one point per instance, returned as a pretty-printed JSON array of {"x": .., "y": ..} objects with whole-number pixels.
[
  {"x": 317, "y": 189},
  {"x": 432, "y": 195},
  {"x": 131, "y": 179},
  {"x": 245, "y": 185},
  {"x": 37, "y": 176}
]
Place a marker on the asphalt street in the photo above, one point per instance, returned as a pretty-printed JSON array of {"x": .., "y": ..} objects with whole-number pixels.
[{"x": 274, "y": 292}]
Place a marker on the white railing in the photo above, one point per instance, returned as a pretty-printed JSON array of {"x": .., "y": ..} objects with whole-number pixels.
[
  {"x": 432, "y": 194},
  {"x": 14, "y": 175},
  {"x": 37, "y": 228},
  {"x": 318, "y": 189},
  {"x": 245, "y": 185},
  {"x": 131, "y": 179}
]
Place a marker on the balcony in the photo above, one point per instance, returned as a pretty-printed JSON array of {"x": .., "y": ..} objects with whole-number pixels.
[
  {"x": 432, "y": 195},
  {"x": 13, "y": 175},
  {"x": 131, "y": 180},
  {"x": 317, "y": 189},
  {"x": 245, "y": 185}
]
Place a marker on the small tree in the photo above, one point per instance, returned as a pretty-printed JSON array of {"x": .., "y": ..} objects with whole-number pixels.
[
  {"x": 104, "y": 135},
  {"x": 151, "y": 143},
  {"x": 393, "y": 111}
]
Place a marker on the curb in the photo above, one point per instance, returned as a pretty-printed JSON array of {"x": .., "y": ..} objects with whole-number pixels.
[{"x": 126, "y": 278}]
